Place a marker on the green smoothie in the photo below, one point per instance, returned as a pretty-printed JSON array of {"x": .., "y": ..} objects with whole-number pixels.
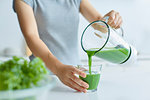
[
  {"x": 92, "y": 80},
  {"x": 90, "y": 54},
  {"x": 114, "y": 55}
]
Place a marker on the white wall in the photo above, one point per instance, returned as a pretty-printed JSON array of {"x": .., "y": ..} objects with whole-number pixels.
[
  {"x": 10, "y": 35},
  {"x": 135, "y": 13}
]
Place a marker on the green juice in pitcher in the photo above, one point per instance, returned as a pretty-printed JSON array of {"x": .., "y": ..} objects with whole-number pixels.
[{"x": 114, "y": 55}]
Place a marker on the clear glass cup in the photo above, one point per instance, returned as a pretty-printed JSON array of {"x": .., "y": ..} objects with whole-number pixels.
[{"x": 93, "y": 78}]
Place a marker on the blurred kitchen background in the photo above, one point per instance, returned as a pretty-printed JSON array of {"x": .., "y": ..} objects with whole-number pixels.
[{"x": 135, "y": 13}]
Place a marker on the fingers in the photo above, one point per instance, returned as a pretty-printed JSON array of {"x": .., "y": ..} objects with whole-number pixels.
[
  {"x": 76, "y": 86},
  {"x": 119, "y": 23},
  {"x": 112, "y": 19},
  {"x": 115, "y": 20},
  {"x": 111, "y": 15},
  {"x": 68, "y": 84},
  {"x": 79, "y": 81},
  {"x": 66, "y": 75},
  {"x": 79, "y": 72}
]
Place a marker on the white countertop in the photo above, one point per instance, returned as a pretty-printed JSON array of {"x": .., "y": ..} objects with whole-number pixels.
[{"x": 117, "y": 83}]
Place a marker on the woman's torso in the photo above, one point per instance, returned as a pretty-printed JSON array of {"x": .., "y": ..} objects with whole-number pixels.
[{"x": 57, "y": 22}]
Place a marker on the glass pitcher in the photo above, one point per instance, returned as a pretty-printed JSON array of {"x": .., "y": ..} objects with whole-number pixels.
[{"x": 107, "y": 43}]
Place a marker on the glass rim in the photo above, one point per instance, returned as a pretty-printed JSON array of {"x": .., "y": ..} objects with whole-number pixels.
[
  {"x": 85, "y": 69},
  {"x": 86, "y": 65}
]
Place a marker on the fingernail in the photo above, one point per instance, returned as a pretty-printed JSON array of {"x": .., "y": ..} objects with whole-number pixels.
[
  {"x": 84, "y": 75},
  {"x": 84, "y": 91},
  {"x": 87, "y": 86}
]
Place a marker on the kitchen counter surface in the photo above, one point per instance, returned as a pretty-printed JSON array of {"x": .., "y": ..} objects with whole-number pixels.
[{"x": 117, "y": 83}]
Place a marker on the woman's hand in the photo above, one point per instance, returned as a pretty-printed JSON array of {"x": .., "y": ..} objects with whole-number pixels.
[
  {"x": 91, "y": 14},
  {"x": 115, "y": 20},
  {"x": 66, "y": 74}
]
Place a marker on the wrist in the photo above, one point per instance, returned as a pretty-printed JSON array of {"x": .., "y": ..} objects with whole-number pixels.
[{"x": 53, "y": 63}]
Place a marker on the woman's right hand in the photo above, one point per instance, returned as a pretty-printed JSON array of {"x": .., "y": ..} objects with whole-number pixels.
[{"x": 66, "y": 74}]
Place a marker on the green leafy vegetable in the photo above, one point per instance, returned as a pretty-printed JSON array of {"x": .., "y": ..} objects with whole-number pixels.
[{"x": 18, "y": 73}]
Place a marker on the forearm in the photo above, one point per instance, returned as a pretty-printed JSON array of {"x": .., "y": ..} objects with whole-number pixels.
[
  {"x": 39, "y": 49},
  {"x": 89, "y": 12},
  {"x": 30, "y": 31}
]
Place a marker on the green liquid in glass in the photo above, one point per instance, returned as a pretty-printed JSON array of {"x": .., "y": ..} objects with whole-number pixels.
[{"x": 92, "y": 80}]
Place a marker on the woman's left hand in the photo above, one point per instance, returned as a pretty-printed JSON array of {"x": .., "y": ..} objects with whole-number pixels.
[{"x": 115, "y": 20}]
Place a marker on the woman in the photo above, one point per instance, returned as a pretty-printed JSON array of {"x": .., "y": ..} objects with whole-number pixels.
[{"x": 50, "y": 29}]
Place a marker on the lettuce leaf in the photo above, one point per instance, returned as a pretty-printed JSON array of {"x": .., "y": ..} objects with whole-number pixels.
[{"x": 18, "y": 73}]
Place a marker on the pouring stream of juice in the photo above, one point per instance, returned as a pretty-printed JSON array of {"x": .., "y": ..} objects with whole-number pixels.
[{"x": 90, "y": 54}]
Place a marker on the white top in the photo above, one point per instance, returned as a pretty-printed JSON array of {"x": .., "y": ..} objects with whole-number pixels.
[{"x": 57, "y": 22}]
